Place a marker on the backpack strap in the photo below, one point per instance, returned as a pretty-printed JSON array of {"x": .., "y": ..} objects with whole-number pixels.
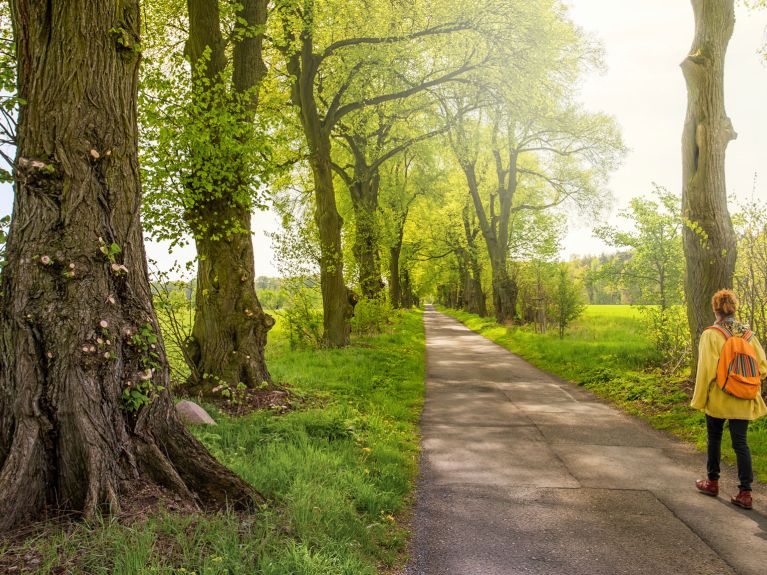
[
  {"x": 727, "y": 335},
  {"x": 747, "y": 335}
]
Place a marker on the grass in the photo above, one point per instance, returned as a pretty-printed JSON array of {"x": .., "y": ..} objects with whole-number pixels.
[
  {"x": 338, "y": 473},
  {"x": 606, "y": 350}
]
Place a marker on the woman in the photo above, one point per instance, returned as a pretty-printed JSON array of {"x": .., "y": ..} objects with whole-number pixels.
[{"x": 720, "y": 406}]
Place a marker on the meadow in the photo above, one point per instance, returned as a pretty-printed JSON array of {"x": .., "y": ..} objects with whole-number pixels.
[
  {"x": 607, "y": 351},
  {"x": 337, "y": 471}
]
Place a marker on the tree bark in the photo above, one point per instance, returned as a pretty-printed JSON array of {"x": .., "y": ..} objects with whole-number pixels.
[
  {"x": 364, "y": 194},
  {"x": 230, "y": 327},
  {"x": 475, "y": 296},
  {"x": 709, "y": 238},
  {"x": 77, "y": 325},
  {"x": 395, "y": 285}
]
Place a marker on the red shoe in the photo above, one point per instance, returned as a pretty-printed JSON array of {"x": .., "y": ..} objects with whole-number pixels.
[
  {"x": 742, "y": 499},
  {"x": 708, "y": 486}
]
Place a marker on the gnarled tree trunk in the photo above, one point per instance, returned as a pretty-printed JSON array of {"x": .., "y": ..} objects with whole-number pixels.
[
  {"x": 230, "y": 327},
  {"x": 709, "y": 238},
  {"x": 85, "y": 415}
]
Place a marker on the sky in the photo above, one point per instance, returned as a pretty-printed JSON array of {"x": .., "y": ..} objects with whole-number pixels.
[{"x": 644, "y": 90}]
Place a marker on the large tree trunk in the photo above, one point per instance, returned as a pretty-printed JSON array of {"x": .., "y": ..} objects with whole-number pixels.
[
  {"x": 230, "y": 327},
  {"x": 364, "y": 194},
  {"x": 505, "y": 292},
  {"x": 85, "y": 415},
  {"x": 495, "y": 230},
  {"x": 709, "y": 239},
  {"x": 337, "y": 300}
]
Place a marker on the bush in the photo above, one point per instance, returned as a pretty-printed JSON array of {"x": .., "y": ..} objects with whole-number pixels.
[
  {"x": 302, "y": 314},
  {"x": 372, "y": 316},
  {"x": 668, "y": 330}
]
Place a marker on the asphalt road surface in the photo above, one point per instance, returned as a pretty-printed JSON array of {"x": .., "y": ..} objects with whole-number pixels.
[{"x": 523, "y": 473}]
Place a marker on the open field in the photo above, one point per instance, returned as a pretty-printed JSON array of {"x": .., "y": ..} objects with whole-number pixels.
[
  {"x": 607, "y": 352},
  {"x": 337, "y": 471}
]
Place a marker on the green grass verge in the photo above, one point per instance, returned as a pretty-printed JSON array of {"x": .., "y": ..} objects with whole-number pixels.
[
  {"x": 338, "y": 473},
  {"x": 607, "y": 351}
]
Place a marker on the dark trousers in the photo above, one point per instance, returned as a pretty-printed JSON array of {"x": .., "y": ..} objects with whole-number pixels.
[{"x": 738, "y": 431}]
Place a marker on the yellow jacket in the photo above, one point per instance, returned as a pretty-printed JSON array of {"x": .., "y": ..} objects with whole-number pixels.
[{"x": 712, "y": 400}]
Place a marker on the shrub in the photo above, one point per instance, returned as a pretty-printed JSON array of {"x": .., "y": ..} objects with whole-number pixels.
[{"x": 372, "y": 316}]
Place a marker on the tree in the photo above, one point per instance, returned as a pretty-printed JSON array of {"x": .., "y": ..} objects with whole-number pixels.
[
  {"x": 566, "y": 305},
  {"x": 709, "y": 238},
  {"x": 204, "y": 174},
  {"x": 403, "y": 189},
  {"x": 85, "y": 415},
  {"x": 656, "y": 263}
]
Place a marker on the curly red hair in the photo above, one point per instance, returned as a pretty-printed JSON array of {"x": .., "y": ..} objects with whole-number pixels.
[{"x": 724, "y": 302}]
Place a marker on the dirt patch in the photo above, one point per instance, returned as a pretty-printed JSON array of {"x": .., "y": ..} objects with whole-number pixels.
[
  {"x": 250, "y": 400},
  {"x": 239, "y": 402}
]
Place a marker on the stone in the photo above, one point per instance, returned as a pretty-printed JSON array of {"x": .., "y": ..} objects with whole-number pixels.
[{"x": 192, "y": 414}]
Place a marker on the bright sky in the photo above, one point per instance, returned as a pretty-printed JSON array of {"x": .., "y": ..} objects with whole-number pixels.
[{"x": 645, "y": 91}]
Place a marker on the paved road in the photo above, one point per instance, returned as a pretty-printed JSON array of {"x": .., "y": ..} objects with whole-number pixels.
[{"x": 522, "y": 473}]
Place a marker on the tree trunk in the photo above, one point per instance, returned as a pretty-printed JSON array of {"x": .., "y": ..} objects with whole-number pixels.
[
  {"x": 709, "y": 239},
  {"x": 395, "y": 286},
  {"x": 409, "y": 298},
  {"x": 364, "y": 194},
  {"x": 495, "y": 232},
  {"x": 337, "y": 300},
  {"x": 230, "y": 327},
  {"x": 475, "y": 296},
  {"x": 505, "y": 292},
  {"x": 85, "y": 415}
]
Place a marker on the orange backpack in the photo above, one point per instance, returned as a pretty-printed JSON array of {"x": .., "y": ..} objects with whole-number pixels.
[{"x": 738, "y": 370}]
